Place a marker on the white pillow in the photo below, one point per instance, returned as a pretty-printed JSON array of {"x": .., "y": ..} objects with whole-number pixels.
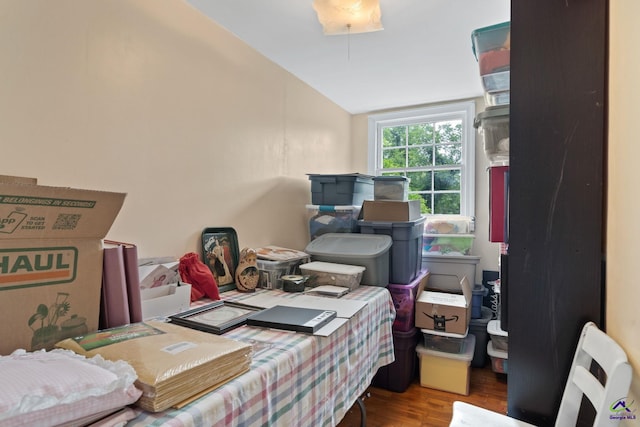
[{"x": 50, "y": 388}]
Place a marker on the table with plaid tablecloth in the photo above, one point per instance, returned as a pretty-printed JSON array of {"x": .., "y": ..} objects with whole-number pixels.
[{"x": 295, "y": 379}]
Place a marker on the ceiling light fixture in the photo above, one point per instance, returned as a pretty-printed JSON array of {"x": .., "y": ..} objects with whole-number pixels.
[{"x": 348, "y": 16}]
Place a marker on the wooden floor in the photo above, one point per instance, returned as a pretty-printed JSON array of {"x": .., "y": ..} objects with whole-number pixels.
[{"x": 425, "y": 407}]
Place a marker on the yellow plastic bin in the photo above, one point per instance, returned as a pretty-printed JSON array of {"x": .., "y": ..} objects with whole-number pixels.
[{"x": 447, "y": 371}]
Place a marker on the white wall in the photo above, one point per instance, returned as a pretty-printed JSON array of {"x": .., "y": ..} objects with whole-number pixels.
[
  {"x": 623, "y": 227},
  {"x": 153, "y": 99}
]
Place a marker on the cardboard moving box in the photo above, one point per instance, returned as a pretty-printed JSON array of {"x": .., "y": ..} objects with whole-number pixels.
[
  {"x": 390, "y": 210},
  {"x": 444, "y": 312},
  {"x": 50, "y": 262}
]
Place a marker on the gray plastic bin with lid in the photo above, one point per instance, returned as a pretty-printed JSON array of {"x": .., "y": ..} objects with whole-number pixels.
[{"x": 367, "y": 250}]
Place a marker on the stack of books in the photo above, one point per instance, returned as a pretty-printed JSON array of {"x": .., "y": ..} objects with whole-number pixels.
[{"x": 174, "y": 364}]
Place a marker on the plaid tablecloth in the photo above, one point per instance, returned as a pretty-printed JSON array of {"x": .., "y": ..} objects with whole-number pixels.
[{"x": 296, "y": 379}]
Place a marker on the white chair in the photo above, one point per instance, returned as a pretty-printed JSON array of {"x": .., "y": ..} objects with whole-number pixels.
[{"x": 593, "y": 345}]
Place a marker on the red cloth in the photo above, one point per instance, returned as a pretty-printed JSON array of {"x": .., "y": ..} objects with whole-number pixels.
[{"x": 195, "y": 272}]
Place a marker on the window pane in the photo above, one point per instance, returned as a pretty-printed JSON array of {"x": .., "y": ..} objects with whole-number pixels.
[
  {"x": 450, "y": 131},
  {"x": 420, "y": 181},
  {"x": 394, "y": 136},
  {"x": 448, "y": 203},
  {"x": 420, "y": 156},
  {"x": 446, "y": 180},
  {"x": 450, "y": 154},
  {"x": 425, "y": 202},
  {"x": 394, "y": 158},
  {"x": 421, "y": 134}
]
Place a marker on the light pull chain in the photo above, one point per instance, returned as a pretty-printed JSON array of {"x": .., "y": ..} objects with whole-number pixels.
[{"x": 348, "y": 42}]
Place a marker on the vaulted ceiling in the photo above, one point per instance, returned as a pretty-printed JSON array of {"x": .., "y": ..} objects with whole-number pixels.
[{"x": 423, "y": 55}]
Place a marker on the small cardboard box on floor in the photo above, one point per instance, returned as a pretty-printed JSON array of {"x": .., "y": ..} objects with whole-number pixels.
[
  {"x": 443, "y": 311},
  {"x": 50, "y": 261}
]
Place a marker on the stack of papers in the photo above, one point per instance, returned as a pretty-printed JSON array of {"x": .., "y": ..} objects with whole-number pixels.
[{"x": 174, "y": 364}]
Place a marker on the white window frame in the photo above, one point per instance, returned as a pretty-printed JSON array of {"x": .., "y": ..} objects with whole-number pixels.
[{"x": 464, "y": 111}]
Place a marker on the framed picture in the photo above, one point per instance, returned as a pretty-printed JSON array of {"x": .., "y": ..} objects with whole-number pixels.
[
  {"x": 220, "y": 253},
  {"x": 217, "y": 317}
]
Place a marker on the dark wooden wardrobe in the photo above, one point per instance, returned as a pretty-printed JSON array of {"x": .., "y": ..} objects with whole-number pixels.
[{"x": 558, "y": 111}]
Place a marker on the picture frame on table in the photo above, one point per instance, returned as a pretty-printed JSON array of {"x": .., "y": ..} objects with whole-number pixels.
[
  {"x": 217, "y": 317},
  {"x": 220, "y": 252}
]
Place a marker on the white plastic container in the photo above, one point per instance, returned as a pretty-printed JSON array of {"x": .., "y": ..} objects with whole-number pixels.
[
  {"x": 391, "y": 188},
  {"x": 498, "y": 358},
  {"x": 444, "y": 341},
  {"x": 371, "y": 251},
  {"x": 448, "y": 270},
  {"x": 499, "y": 337},
  {"x": 448, "y": 224},
  {"x": 272, "y": 271},
  {"x": 329, "y": 273}
]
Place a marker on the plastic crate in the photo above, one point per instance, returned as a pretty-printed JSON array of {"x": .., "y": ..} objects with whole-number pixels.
[
  {"x": 492, "y": 47},
  {"x": 448, "y": 244},
  {"x": 369, "y": 251},
  {"x": 445, "y": 342},
  {"x": 478, "y": 327},
  {"x": 493, "y": 124},
  {"x": 448, "y": 224},
  {"x": 446, "y": 371},
  {"x": 272, "y": 271},
  {"x": 341, "y": 190},
  {"x": 448, "y": 270},
  {"x": 332, "y": 219},
  {"x": 404, "y": 301},
  {"x": 499, "y": 359},
  {"x": 390, "y": 187},
  {"x": 499, "y": 337},
  {"x": 398, "y": 375},
  {"x": 329, "y": 273},
  {"x": 406, "y": 250}
]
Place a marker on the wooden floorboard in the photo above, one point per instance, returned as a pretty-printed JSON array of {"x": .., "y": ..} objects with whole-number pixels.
[{"x": 425, "y": 407}]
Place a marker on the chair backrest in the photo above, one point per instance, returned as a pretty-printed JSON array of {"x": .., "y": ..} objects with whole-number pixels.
[{"x": 608, "y": 400}]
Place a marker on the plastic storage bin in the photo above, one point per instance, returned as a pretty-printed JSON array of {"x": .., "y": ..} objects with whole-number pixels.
[
  {"x": 391, "y": 188},
  {"x": 478, "y": 327},
  {"x": 329, "y": 273},
  {"x": 342, "y": 190},
  {"x": 492, "y": 47},
  {"x": 446, "y": 371},
  {"x": 404, "y": 301},
  {"x": 448, "y": 224},
  {"x": 496, "y": 82},
  {"x": 493, "y": 124},
  {"x": 448, "y": 244},
  {"x": 332, "y": 219},
  {"x": 398, "y": 375},
  {"x": 366, "y": 250},
  {"x": 271, "y": 271},
  {"x": 448, "y": 270},
  {"x": 499, "y": 337},
  {"x": 499, "y": 359},
  {"x": 478, "y": 294},
  {"x": 405, "y": 261},
  {"x": 445, "y": 342}
]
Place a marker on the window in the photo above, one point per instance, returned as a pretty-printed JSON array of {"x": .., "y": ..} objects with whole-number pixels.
[{"x": 435, "y": 148}]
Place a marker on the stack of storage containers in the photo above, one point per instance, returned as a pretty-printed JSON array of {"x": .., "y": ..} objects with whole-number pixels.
[
  {"x": 448, "y": 244},
  {"x": 392, "y": 214},
  {"x": 492, "y": 49},
  {"x": 336, "y": 201},
  {"x": 334, "y": 241},
  {"x": 498, "y": 347}
]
